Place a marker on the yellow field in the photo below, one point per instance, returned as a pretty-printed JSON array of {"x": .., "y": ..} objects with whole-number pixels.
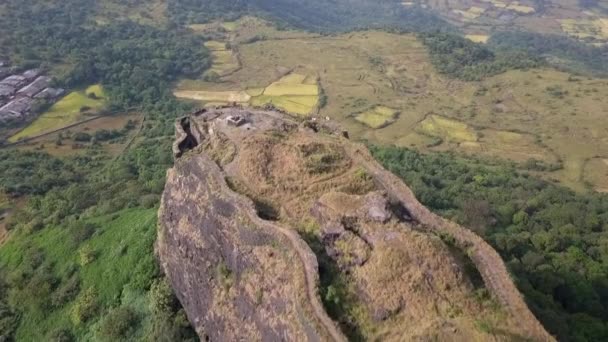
[
  {"x": 255, "y": 91},
  {"x": 214, "y": 96},
  {"x": 64, "y": 112},
  {"x": 284, "y": 89},
  {"x": 286, "y": 103},
  {"x": 478, "y": 38},
  {"x": 447, "y": 129},
  {"x": 521, "y": 9},
  {"x": 291, "y": 94},
  {"x": 377, "y": 117}
]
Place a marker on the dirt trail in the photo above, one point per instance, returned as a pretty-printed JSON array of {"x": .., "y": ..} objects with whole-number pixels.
[
  {"x": 305, "y": 254},
  {"x": 487, "y": 261}
]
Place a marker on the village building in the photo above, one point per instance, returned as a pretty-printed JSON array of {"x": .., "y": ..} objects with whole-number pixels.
[
  {"x": 35, "y": 87},
  {"x": 6, "y": 91},
  {"x": 18, "y": 93},
  {"x": 15, "y": 81},
  {"x": 50, "y": 93},
  {"x": 31, "y": 74},
  {"x": 16, "y": 109}
]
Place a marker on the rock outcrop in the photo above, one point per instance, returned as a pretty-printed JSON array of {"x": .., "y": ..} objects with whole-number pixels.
[{"x": 250, "y": 194}]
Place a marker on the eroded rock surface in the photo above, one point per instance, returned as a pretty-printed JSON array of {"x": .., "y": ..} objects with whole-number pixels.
[{"x": 250, "y": 187}]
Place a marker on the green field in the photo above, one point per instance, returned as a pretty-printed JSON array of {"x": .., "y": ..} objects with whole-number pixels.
[
  {"x": 63, "y": 143},
  {"x": 66, "y": 111}
]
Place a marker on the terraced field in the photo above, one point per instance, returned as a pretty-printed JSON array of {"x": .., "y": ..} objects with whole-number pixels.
[
  {"x": 540, "y": 115},
  {"x": 224, "y": 59},
  {"x": 583, "y": 20}
]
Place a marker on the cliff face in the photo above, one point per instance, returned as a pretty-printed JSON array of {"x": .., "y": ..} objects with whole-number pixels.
[{"x": 250, "y": 187}]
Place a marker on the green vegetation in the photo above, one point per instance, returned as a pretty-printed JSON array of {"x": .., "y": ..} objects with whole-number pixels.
[
  {"x": 314, "y": 15},
  {"x": 54, "y": 288},
  {"x": 461, "y": 58},
  {"x": 33, "y": 173},
  {"x": 68, "y": 110},
  {"x": 553, "y": 240},
  {"x": 80, "y": 256},
  {"x": 562, "y": 52}
]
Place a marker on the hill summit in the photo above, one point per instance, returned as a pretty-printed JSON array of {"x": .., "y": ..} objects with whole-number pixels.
[{"x": 277, "y": 228}]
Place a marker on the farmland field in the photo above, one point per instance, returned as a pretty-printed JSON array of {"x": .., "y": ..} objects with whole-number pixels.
[
  {"x": 541, "y": 114},
  {"x": 377, "y": 117},
  {"x": 74, "y": 107},
  {"x": 295, "y": 93},
  {"x": 63, "y": 143}
]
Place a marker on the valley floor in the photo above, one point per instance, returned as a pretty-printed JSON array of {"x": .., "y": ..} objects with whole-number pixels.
[{"x": 545, "y": 121}]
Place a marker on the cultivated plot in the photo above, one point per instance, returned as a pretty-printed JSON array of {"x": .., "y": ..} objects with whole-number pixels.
[{"x": 76, "y": 106}]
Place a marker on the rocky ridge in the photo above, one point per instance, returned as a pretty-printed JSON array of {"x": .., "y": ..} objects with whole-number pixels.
[{"x": 248, "y": 188}]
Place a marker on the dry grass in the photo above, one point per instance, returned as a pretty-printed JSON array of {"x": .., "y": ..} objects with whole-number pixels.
[
  {"x": 224, "y": 60},
  {"x": 596, "y": 173},
  {"x": 411, "y": 277}
]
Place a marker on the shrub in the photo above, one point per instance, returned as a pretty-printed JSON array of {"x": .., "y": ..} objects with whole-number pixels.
[
  {"x": 118, "y": 324},
  {"x": 82, "y": 137},
  {"x": 67, "y": 292},
  {"x": 85, "y": 307},
  {"x": 86, "y": 255},
  {"x": 162, "y": 300},
  {"x": 60, "y": 335}
]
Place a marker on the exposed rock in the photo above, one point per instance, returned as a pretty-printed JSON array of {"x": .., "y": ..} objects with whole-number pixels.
[{"x": 240, "y": 277}]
